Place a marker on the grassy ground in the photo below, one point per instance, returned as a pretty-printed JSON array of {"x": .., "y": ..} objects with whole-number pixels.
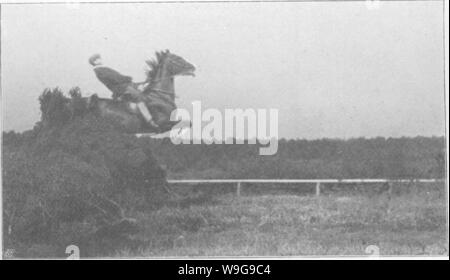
[{"x": 297, "y": 225}]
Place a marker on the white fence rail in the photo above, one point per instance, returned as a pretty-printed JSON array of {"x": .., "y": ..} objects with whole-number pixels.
[{"x": 318, "y": 182}]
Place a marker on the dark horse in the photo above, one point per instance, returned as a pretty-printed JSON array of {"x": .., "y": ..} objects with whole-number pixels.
[{"x": 158, "y": 94}]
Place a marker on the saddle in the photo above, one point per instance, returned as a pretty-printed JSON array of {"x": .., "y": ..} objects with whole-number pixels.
[{"x": 159, "y": 103}]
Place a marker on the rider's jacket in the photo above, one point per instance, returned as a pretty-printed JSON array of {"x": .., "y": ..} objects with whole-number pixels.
[{"x": 113, "y": 80}]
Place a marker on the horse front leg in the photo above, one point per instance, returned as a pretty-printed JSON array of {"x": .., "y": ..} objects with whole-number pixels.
[{"x": 160, "y": 112}]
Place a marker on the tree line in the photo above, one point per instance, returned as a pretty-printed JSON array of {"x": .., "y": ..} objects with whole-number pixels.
[{"x": 405, "y": 157}]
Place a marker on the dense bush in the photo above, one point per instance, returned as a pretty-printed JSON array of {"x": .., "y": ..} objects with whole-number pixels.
[{"x": 73, "y": 176}]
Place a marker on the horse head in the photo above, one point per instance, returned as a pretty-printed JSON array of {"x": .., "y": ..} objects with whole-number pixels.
[
  {"x": 178, "y": 66},
  {"x": 167, "y": 65}
]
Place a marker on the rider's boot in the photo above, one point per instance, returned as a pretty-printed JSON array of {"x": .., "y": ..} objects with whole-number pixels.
[{"x": 146, "y": 114}]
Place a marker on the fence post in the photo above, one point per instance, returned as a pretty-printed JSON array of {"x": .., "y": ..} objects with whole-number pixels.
[
  {"x": 317, "y": 188},
  {"x": 238, "y": 189},
  {"x": 389, "y": 188}
]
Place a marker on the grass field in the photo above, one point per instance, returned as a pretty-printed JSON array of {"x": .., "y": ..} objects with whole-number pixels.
[{"x": 411, "y": 223}]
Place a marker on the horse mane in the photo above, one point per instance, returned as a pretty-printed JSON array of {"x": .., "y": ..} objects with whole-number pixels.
[{"x": 155, "y": 64}]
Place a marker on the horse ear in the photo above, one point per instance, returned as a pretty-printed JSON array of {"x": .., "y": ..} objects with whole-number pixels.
[{"x": 167, "y": 51}]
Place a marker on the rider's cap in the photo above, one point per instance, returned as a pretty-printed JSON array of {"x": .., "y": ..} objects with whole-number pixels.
[{"x": 93, "y": 58}]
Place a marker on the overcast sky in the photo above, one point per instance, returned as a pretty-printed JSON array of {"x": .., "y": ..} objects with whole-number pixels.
[{"x": 332, "y": 69}]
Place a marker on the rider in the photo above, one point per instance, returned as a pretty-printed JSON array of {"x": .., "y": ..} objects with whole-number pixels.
[{"x": 120, "y": 85}]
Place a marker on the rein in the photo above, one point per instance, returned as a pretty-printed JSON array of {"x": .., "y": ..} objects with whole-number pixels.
[
  {"x": 161, "y": 90},
  {"x": 163, "y": 78}
]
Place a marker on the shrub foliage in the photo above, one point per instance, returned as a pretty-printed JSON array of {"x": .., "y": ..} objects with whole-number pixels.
[{"x": 71, "y": 177}]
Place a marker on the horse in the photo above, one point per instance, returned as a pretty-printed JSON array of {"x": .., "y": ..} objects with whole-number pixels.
[{"x": 158, "y": 94}]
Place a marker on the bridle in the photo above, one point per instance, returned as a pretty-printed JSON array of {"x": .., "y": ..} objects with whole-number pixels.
[
  {"x": 162, "y": 79},
  {"x": 161, "y": 90}
]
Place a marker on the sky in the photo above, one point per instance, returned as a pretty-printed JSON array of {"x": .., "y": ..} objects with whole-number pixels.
[{"x": 333, "y": 70}]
